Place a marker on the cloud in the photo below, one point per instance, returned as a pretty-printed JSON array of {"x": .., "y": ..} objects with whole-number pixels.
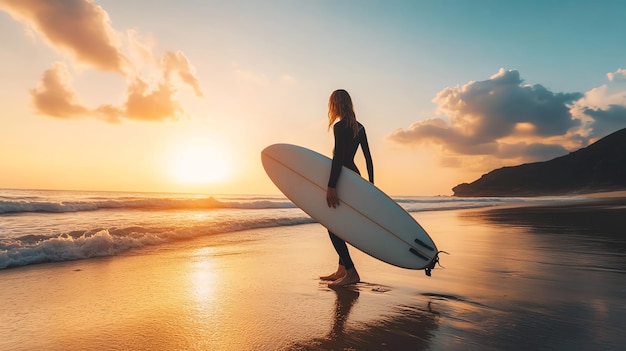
[
  {"x": 491, "y": 109},
  {"x": 606, "y": 121},
  {"x": 501, "y": 121},
  {"x": 603, "y": 109},
  {"x": 78, "y": 26},
  {"x": 151, "y": 105},
  {"x": 500, "y": 117},
  {"x": 55, "y": 97},
  {"x": 177, "y": 62},
  {"x": 612, "y": 92},
  {"x": 438, "y": 131},
  {"x": 83, "y": 29},
  {"x": 619, "y": 75}
]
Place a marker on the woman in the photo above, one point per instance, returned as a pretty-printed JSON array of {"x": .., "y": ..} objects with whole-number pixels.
[{"x": 349, "y": 134}]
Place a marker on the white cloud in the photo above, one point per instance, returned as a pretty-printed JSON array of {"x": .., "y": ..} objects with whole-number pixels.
[
  {"x": 603, "y": 109},
  {"x": 619, "y": 75}
]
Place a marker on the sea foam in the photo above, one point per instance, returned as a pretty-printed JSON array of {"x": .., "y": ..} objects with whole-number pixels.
[{"x": 98, "y": 242}]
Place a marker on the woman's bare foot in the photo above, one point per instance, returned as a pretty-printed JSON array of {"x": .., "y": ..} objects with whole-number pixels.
[
  {"x": 340, "y": 273},
  {"x": 351, "y": 277}
]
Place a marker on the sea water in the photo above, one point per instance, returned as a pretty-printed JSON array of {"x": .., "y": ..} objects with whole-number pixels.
[{"x": 44, "y": 226}]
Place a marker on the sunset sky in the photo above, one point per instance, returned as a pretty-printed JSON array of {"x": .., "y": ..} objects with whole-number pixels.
[{"x": 182, "y": 96}]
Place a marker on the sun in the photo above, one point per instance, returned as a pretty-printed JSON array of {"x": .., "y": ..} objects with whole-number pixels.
[{"x": 200, "y": 164}]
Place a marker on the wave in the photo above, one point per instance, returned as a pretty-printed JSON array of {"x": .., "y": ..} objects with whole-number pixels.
[
  {"x": 15, "y": 202},
  {"x": 99, "y": 242},
  {"x": 442, "y": 203},
  {"x": 144, "y": 219},
  {"x": 23, "y": 205}
]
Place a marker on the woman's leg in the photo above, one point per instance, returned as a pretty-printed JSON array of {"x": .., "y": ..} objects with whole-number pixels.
[
  {"x": 346, "y": 273},
  {"x": 341, "y": 268},
  {"x": 342, "y": 250}
]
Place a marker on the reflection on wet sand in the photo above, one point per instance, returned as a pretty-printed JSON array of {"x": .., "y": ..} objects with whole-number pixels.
[
  {"x": 346, "y": 298},
  {"x": 589, "y": 234},
  {"x": 405, "y": 328},
  {"x": 559, "y": 271}
]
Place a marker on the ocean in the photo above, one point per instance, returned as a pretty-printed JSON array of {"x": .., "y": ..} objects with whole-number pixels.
[
  {"x": 234, "y": 272},
  {"x": 45, "y": 226}
]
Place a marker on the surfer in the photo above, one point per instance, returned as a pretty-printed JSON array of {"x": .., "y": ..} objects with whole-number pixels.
[{"x": 349, "y": 134}]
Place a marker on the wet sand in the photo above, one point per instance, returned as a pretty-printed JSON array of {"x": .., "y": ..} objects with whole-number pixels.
[{"x": 520, "y": 278}]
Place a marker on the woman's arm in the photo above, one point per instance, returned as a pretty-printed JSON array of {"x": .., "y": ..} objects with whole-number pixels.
[{"x": 368, "y": 157}]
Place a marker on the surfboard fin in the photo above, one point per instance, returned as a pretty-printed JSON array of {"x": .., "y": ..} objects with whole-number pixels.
[
  {"x": 418, "y": 241},
  {"x": 433, "y": 262},
  {"x": 418, "y": 254}
]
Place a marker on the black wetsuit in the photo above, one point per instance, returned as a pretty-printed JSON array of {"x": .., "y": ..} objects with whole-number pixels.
[{"x": 343, "y": 155}]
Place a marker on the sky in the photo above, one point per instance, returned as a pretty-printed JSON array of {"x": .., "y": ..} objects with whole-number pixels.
[{"x": 182, "y": 96}]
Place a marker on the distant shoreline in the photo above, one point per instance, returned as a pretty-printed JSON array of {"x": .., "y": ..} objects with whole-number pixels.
[
  {"x": 591, "y": 194},
  {"x": 586, "y": 202}
]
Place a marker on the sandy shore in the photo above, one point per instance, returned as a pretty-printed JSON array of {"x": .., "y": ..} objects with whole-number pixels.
[{"x": 550, "y": 278}]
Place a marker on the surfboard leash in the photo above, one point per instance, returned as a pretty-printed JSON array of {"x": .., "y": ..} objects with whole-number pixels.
[{"x": 434, "y": 262}]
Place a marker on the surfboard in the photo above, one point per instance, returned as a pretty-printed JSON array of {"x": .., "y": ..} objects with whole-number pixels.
[{"x": 366, "y": 217}]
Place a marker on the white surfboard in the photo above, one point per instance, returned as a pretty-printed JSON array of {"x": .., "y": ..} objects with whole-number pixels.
[{"x": 366, "y": 218}]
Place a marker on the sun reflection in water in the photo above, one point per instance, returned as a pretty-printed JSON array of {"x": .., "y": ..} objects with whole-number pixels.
[{"x": 203, "y": 277}]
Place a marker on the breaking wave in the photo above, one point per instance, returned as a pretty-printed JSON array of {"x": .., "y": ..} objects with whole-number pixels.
[
  {"x": 99, "y": 242},
  {"x": 22, "y": 205}
]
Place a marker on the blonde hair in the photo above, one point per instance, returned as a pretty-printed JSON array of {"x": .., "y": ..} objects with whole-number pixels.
[{"x": 340, "y": 107}]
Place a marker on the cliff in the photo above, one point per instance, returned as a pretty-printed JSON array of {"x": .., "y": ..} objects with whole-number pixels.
[{"x": 600, "y": 166}]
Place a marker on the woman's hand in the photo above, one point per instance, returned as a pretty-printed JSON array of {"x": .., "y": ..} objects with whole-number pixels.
[{"x": 331, "y": 197}]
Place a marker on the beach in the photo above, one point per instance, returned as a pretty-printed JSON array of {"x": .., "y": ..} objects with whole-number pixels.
[{"x": 519, "y": 277}]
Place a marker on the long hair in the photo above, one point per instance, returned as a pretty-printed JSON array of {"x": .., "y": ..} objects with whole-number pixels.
[{"x": 340, "y": 107}]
